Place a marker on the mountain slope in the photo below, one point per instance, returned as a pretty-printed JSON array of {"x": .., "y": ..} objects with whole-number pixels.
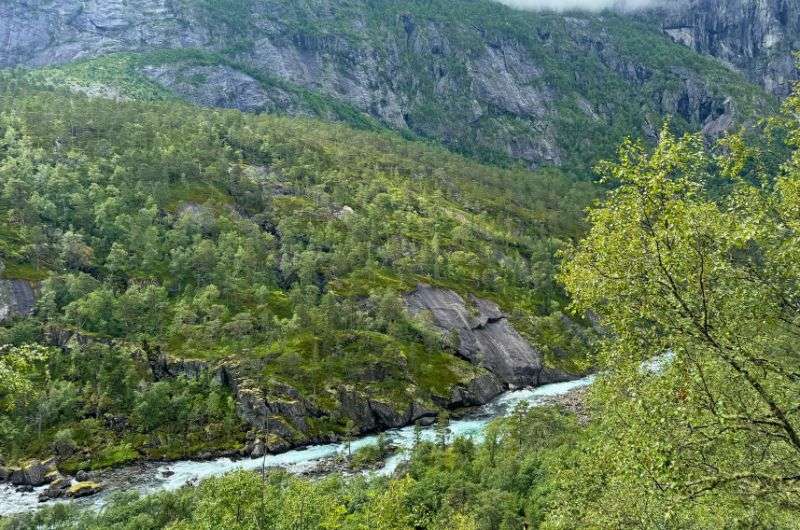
[
  {"x": 481, "y": 78},
  {"x": 265, "y": 261},
  {"x": 758, "y": 38}
]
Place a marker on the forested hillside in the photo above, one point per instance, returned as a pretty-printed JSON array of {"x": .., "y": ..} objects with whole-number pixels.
[
  {"x": 263, "y": 232},
  {"x": 278, "y": 248},
  {"x": 704, "y": 436}
]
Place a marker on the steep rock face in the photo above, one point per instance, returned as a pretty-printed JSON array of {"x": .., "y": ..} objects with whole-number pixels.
[
  {"x": 164, "y": 367},
  {"x": 475, "y": 392},
  {"x": 281, "y": 411},
  {"x": 215, "y": 86},
  {"x": 17, "y": 298},
  {"x": 370, "y": 414},
  {"x": 756, "y": 37},
  {"x": 290, "y": 420},
  {"x": 277, "y": 409},
  {"x": 485, "y": 336},
  {"x": 44, "y": 32},
  {"x": 520, "y": 89}
]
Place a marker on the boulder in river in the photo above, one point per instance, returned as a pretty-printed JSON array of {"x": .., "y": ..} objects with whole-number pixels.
[
  {"x": 83, "y": 489},
  {"x": 34, "y": 473},
  {"x": 57, "y": 488}
]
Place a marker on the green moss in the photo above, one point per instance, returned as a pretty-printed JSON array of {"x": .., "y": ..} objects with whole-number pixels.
[
  {"x": 371, "y": 279},
  {"x": 24, "y": 271},
  {"x": 113, "y": 456},
  {"x": 80, "y": 487}
]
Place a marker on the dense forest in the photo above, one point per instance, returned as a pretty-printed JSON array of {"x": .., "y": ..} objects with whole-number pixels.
[
  {"x": 232, "y": 231},
  {"x": 218, "y": 235},
  {"x": 692, "y": 259}
]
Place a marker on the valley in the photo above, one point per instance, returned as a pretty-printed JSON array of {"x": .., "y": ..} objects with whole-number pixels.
[{"x": 316, "y": 264}]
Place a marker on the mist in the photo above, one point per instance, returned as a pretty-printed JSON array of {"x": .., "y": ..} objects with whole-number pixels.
[{"x": 585, "y": 5}]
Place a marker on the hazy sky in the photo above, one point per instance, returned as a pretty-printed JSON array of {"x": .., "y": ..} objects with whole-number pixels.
[{"x": 591, "y": 5}]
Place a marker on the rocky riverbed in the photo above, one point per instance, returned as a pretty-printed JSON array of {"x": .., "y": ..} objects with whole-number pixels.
[{"x": 315, "y": 460}]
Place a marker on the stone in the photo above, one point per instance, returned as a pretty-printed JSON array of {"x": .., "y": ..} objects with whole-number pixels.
[
  {"x": 344, "y": 213},
  {"x": 82, "y": 476},
  {"x": 17, "y": 299},
  {"x": 216, "y": 86},
  {"x": 167, "y": 367},
  {"x": 57, "y": 488},
  {"x": 477, "y": 391},
  {"x": 755, "y": 38},
  {"x": 271, "y": 407},
  {"x": 427, "y": 421},
  {"x": 276, "y": 444},
  {"x": 34, "y": 473},
  {"x": 83, "y": 489},
  {"x": 484, "y": 335},
  {"x": 259, "y": 449}
]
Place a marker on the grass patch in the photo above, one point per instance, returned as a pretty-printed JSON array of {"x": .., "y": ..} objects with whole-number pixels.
[{"x": 24, "y": 271}]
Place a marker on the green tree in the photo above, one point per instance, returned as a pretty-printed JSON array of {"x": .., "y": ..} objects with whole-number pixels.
[
  {"x": 442, "y": 428},
  {"x": 350, "y": 432},
  {"x": 20, "y": 367},
  {"x": 710, "y": 285}
]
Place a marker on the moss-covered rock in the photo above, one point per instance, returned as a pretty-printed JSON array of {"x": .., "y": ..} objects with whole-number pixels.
[{"x": 83, "y": 489}]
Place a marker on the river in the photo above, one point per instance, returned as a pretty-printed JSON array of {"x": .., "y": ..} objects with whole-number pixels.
[{"x": 149, "y": 478}]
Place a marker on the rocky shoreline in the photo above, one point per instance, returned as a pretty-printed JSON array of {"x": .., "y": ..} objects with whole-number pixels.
[
  {"x": 280, "y": 418},
  {"x": 36, "y": 473},
  {"x": 574, "y": 402},
  {"x": 381, "y": 454}
]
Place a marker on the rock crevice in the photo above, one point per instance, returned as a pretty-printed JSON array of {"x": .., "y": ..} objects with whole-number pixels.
[{"x": 485, "y": 337}]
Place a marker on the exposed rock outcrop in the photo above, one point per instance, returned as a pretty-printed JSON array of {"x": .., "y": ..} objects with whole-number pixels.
[
  {"x": 371, "y": 415},
  {"x": 286, "y": 419},
  {"x": 17, "y": 298},
  {"x": 219, "y": 86},
  {"x": 166, "y": 367},
  {"x": 34, "y": 473},
  {"x": 574, "y": 402},
  {"x": 485, "y": 336},
  {"x": 275, "y": 408},
  {"x": 492, "y": 89},
  {"x": 756, "y": 37},
  {"x": 82, "y": 489},
  {"x": 57, "y": 489},
  {"x": 476, "y": 392}
]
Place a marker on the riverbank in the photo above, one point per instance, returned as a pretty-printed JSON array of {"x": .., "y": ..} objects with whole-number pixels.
[{"x": 152, "y": 477}]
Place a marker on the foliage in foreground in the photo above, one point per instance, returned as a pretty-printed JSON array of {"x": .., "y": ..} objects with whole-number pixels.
[{"x": 712, "y": 283}]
